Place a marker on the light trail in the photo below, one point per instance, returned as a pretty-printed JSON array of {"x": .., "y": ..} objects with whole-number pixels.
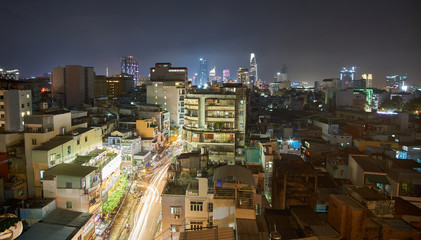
[{"x": 144, "y": 217}]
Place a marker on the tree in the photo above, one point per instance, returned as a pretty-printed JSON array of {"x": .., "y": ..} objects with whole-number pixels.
[
  {"x": 413, "y": 105},
  {"x": 395, "y": 103}
]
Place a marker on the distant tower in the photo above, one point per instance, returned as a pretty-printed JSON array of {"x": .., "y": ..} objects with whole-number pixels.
[
  {"x": 368, "y": 79},
  {"x": 203, "y": 72},
  {"x": 243, "y": 75},
  {"x": 253, "y": 69},
  {"x": 130, "y": 65},
  {"x": 225, "y": 75},
  {"x": 347, "y": 76},
  {"x": 212, "y": 74}
]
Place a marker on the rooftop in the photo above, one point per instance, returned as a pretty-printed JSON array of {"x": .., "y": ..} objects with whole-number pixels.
[
  {"x": 47, "y": 231},
  {"x": 53, "y": 143},
  {"x": 67, "y": 169},
  {"x": 68, "y": 218},
  {"x": 368, "y": 164}
]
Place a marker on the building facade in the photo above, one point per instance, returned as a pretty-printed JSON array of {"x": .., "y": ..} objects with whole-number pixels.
[
  {"x": 167, "y": 89},
  {"x": 75, "y": 83},
  {"x": 14, "y": 106},
  {"x": 130, "y": 65},
  {"x": 216, "y": 119},
  {"x": 203, "y": 72}
]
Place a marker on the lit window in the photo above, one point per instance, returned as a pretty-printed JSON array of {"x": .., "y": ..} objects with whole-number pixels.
[
  {"x": 23, "y": 114},
  {"x": 156, "y": 84},
  {"x": 28, "y": 113},
  {"x": 175, "y": 210},
  {"x": 27, "y": 95}
]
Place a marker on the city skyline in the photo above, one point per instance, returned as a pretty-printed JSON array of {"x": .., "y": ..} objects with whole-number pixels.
[{"x": 314, "y": 40}]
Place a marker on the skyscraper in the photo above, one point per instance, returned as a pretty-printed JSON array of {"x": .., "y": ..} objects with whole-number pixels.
[
  {"x": 253, "y": 69},
  {"x": 225, "y": 75},
  {"x": 130, "y": 65},
  {"x": 212, "y": 74},
  {"x": 347, "y": 76},
  {"x": 396, "y": 82},
  {"x": 203, "y": 72},
  {"x": 243, "y": 75}
]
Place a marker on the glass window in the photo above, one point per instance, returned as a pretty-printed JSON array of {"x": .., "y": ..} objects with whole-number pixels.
[{"x": 68, "y": 204}]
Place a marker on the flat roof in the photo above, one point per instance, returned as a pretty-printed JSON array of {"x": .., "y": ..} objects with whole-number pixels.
[
  {"x": 368, "y": 165},
  {"x": 48, "y": 231},
  {"x": 53, "y": 143},
  {"x": 242, "y": 174},
  {"x": 348, "y": 201},
  {"x": 225, "y": 233},
  {"x": 67, "y": 169},
  {"x": 68, "y": 218}
]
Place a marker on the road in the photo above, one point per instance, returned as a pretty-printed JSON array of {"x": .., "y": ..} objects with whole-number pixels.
[{"x": 149, "y": 209}]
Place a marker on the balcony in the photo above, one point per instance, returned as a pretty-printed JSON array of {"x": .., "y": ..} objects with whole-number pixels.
[
  {"x": 192, "y": 118},
  {"x": 224, "y": 193},
  {"x": 191, "y": 107},
  {"x": 220, "y": 119},
  {"x": 220, "y": 107}
]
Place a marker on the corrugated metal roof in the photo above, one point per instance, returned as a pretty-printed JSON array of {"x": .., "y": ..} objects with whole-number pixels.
[{"x": 240, "y": 173}]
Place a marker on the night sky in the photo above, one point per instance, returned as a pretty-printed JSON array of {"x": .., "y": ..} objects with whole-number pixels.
[{"x": 314, "y": 38}]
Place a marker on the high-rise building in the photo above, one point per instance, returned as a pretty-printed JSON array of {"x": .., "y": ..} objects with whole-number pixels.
[
  {"x": 14, "y": 106},
  {"x": 212, "y": 74},
  {"x": 119, "y": 85},
  {"x": 130, "y": 65},
  {"x": 216, "y": 119},
  {"x": 167, "y": 89},
  {"x": 225, "y": 75},
  {"x": 12, "y": 74},
  {"x": 253, "y": 77},
  {"x": 396, "y": 82},
  {"x": 347, "y": 76},
  {"x": 243, "y": 75},
  {"x": 75, "y": 82},
  {"x": 203, "y": 72},
  {"x": 369, "y": 79}
]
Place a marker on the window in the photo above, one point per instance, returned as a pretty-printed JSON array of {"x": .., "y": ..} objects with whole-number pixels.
[
  {"x": 175, "y": 210},
  {"x": 22, "y": 105},
  {"x": 20, "y": 192},
  {"x": 86, "y": 139},
  {"x": 196, "y": 225},
  {"x": 2, "y": 116},
  {"x": 34, "y": 141},
  {"x": 68, "y": 204},
  {"x": 69, "y": 149},
  {"x": 175, "y": 228},
  {"x": 78, "y": 141},
  {"x": 41, "y": 175},
  {"x": 28, "y": 104},
  {"x": 196, "y": 206},
  {"x": 68, "y": 185},
  {"x": 27, "y": 95},
  {"x": 210, "y": 207},
  {"x": 241, "y": 101}
]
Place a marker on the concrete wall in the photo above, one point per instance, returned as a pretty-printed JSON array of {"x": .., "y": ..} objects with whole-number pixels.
[{"x": 355, "y": 172}]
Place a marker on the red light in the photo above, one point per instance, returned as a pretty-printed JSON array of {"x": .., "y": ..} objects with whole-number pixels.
[{"x": 43, "y": 90}]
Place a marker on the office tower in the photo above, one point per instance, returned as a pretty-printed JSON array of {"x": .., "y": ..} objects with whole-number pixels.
[
  {"x": 203, "y": 72},
  {"x": 347, "y": 76},
  {"x": 75, "y": 83},
  {"x": 14, "y": 106},
  {"x": 12, "y": 74},
  {"x": 216, "y": 118},
  {"x": 225, "y": 75},
  {"x": 119, "y": 85},
  {"x": 253, "y": 77},
  {"x": 396, "y": 82},
  {"x": 243, "y": 75},
  {"x": 212, "y": 74},
  {"x": 130, "y": 65},
  {"x": 166, "y": 89},
  {"x": 368, "y": 79}
]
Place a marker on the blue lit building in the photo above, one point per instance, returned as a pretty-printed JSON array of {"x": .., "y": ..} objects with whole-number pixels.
[
  {"x": 130, "y": 65},
  {"x": 347, "y": 77},
  {"x": 203, "y": 72}
]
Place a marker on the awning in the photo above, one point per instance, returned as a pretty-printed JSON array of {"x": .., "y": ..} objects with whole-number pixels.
[{"x": 374, "y": 179}]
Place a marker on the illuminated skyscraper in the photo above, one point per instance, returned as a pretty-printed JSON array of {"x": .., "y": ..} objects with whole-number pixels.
[
  {"x": 396, "y": 82},
  {"x": 203, "y": 72},
  {"x": 368, "y": 79},
  {"x": 212, "y": 74},
  {"x": 130, "y": 65},
  {"x": 347, "y": 76},
  {"x": 9, "y": 74},
  {"x": 225, "y": 75},
  {"x": 253, "y": 69},
  {"x": 243, "y": 75}
]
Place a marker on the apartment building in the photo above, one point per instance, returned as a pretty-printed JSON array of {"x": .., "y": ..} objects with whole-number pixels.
[
  {"x": 14, "y": 106},
  {"x": 216, "y": 119}
]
